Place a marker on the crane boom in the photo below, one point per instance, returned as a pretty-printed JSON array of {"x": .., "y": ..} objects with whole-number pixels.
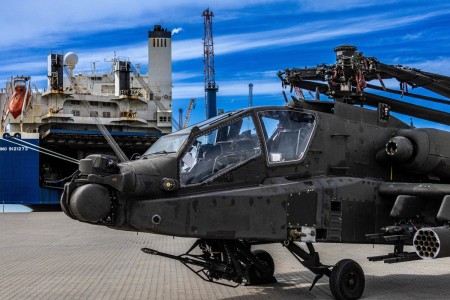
[{"x": 188, "y": 112}]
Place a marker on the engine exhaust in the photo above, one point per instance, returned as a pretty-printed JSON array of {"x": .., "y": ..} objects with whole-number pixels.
[{"x": 432, "y": 242}]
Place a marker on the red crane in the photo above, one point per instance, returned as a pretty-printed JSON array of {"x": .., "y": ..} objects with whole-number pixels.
[{"x": 208, "y": 59}]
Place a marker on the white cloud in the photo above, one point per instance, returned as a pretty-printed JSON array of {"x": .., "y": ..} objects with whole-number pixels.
[
  {"x": 178, "y": 76},
  {"x": 176, "y": 30},
  {"x": 439, "y": 65},
  {"x": 33, "y": 23},
  {"x": 412, "y": 36},
  {"x": 333, "y": 5},
  {"x": 296, "y": 35},
  {"x": 39, "y": 23},
  {"x": 226, "y": 44},
  {"x": 29, "y": 67}
]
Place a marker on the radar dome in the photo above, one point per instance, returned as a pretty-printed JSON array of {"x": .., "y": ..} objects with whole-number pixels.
[{"x": 71, "y": 59}]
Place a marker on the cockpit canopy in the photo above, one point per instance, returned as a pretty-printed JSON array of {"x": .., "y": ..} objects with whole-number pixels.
[{"x": 218, "y": 145}]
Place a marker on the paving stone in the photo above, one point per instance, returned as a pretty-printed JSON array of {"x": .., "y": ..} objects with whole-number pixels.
[{"x": 47, "y": 255}]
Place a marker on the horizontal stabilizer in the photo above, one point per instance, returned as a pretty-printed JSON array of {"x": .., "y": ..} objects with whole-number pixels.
[
  {"x": 407, "y": 207},
  {"x": 444, "y": 211}
]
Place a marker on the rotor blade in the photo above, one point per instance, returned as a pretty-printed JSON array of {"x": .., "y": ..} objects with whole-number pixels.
[
  {"x": 401, "y": 107},
  {"x": 285, "y": 97},
  {"x": 409, "y": 109},
  {"x": 433, "y": 82},
  {"x": 312, "y": 86},
  {"x": 432, "y": 99}
]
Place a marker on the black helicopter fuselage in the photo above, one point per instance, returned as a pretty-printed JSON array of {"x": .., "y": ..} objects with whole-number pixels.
[{"x": 333, "y": 187}]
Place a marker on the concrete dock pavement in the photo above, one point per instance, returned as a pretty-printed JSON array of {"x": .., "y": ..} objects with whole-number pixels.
[{"x": 47, "y": 255}]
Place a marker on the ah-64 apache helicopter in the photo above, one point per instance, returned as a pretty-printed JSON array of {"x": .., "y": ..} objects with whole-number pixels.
[{"x": 312, "y": 171}]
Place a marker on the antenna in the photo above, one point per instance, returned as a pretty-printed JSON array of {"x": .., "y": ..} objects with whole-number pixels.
[
  {"x": 93, "y": 67},
  {"x": 250, "y": 94}
]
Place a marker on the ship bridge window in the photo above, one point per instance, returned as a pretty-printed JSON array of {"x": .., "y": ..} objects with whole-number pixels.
[
  {"x": 93, "y": 113},
  {"x": 107, "y": 89},
  {"x": 165, "y": 118},
  {"x": 106, "y": 114},
  {"x": 287, "y": 134},
  {"x": 76, "y": 113},
  {"x": 219, "y": 151}
]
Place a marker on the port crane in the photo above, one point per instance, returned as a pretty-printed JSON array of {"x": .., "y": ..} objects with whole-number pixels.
[{"x": 188, "y": 112}]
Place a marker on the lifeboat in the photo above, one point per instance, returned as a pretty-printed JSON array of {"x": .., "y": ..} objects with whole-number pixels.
[{"x": 16, "y": 104}]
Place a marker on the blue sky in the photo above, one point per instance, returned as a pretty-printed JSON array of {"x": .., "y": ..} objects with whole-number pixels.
[{"x": 253, "y": 39}]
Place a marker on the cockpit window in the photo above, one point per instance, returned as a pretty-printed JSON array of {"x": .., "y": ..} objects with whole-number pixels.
[
  {"x": 219, "y": 150},
  {"x": 170, "y": 143},
  {"x": 287, "y": 134}
]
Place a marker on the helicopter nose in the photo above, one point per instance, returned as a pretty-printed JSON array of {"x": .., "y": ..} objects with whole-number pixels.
[{"x": 90, "y": 202}]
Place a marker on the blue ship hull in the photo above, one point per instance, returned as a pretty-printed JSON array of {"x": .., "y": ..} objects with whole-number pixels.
[
  {"x": 30, "y": 178},
  {"x": 19, "y": 176}
]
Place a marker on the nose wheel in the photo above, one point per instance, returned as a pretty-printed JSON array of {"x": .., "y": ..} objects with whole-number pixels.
[{"x": 347, "y": 280}]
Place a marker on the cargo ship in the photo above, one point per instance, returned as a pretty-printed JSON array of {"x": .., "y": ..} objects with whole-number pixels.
[{"x": 45, "y": 132}]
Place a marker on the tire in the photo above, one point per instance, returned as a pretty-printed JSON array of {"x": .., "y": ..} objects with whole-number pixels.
[
  {"x": 255, "y": 276},
  {"x": 347, "y": 281}
]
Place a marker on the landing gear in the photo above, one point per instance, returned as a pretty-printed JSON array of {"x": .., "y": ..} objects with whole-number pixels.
[
  {"x": 229, "y": 260},
  {"x": 347, "y": 280},
  {"x": 219, "y": 261},
  {"x": 257, "y": 276}
]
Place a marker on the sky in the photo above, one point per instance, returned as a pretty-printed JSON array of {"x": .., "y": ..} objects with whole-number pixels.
[{"x": 253, "y": 40}]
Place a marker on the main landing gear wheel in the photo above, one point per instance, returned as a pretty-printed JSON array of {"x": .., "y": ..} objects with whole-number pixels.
[
  {"x": 347, "y": 280},
  {"x": 256, "y": 276}
]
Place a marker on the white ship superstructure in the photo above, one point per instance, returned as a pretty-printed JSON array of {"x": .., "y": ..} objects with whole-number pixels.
[{"x": 135, "y": 108}]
